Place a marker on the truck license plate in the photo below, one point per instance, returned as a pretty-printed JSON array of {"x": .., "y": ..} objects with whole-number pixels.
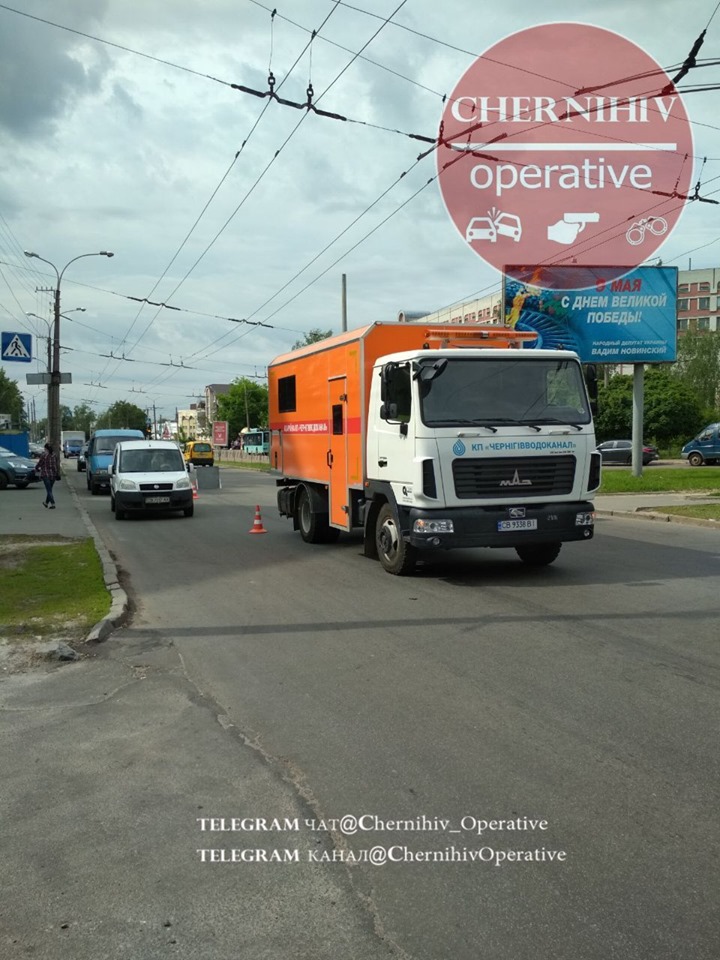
[
  {"x": 157, "y": 500},
  {"x": 517, "y": 525}
]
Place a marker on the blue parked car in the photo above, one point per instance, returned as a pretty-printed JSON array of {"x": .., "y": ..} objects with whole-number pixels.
[{"x": 100, "y": 454}]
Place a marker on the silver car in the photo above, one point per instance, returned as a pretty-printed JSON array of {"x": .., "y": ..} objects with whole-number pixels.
[{"x": 16, "y": 471}]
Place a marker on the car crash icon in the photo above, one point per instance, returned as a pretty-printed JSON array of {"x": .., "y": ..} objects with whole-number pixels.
[{"x": 493, "y": 226}]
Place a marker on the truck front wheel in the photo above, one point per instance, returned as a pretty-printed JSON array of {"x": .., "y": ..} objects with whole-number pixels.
[
  {"x": 396, "y": 556},
  {"x": 314, "y": 527},
  {"x": 539, "y": 554}
]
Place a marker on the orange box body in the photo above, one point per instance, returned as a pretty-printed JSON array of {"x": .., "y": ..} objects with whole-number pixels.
[{"x": 319, "y": 394}]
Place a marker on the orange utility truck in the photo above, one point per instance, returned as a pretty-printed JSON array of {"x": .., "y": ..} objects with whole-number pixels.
[{"x": 431, "y": 438}]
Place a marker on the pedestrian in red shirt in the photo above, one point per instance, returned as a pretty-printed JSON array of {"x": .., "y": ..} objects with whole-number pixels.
[{"x": 48, "y": 469}]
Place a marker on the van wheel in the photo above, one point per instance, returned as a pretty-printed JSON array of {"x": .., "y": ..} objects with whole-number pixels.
[
  {"x": 94, "y": 489},
  {"x": 396, "y": 556},
  {"x": 188, "y": 511},
  {"x": 119, "y": 514},
  {"x": 695, "y": 459},
  {"x": 314, "y": 527},
  {"x": 538, "y": 554}
]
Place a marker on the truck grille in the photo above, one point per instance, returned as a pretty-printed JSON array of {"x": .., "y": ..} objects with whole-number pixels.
[{"x": 513, "y": 476}]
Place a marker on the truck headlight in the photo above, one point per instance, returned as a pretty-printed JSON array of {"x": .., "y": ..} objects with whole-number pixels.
[
  {"x": 433, "y": 526},
  {"x": 584, "y": 519}
]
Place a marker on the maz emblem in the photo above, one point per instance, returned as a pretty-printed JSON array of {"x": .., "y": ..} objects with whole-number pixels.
[{"x": 515, "y": 482}]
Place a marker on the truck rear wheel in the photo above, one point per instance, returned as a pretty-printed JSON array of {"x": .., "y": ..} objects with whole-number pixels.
[
  {"x": 314, "y": 527},
  {"x": 395, "y": 555},
  {"x": 538, "y": 554}
]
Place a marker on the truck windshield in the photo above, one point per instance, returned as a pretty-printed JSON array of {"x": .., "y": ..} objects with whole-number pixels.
[{"x": 501, "y": 390}]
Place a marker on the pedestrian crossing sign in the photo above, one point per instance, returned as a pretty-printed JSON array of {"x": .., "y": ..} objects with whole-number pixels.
[{"x": 16, "y": 347}]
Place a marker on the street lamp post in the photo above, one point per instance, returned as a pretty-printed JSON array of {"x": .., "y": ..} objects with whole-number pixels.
[
  {"x": 48, "y": 338},
  {"x": 54, "y": 389}
]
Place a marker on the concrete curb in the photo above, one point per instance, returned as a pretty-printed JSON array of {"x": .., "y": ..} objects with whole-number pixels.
[
  {"x": 119, "y": 601},
  {"x": 647, "y": 513}
]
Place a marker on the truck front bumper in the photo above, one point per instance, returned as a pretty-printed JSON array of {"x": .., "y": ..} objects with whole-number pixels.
[{"x": 500, "y": 526}]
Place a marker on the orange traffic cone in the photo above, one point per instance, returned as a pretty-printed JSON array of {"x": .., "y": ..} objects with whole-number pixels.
[
  {"x": 257, "y": 526},
  {"x": 196, "y": 495}
]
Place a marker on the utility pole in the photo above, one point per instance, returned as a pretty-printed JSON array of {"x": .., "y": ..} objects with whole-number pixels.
[{"x": 343, "y": 326}]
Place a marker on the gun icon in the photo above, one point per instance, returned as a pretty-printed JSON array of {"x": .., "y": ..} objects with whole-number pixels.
[{"x": 567, "y": 230}]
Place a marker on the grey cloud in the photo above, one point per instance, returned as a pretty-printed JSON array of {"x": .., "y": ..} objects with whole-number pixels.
[{"x": 41, "y": 73}]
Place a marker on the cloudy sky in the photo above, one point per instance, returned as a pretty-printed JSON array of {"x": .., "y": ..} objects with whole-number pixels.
[{"x": 120, "y": 131}]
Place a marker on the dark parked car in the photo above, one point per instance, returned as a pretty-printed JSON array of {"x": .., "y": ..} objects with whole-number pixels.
[
  {"x": 620, "y": 451},
  {"x": 16, "y": 471}
]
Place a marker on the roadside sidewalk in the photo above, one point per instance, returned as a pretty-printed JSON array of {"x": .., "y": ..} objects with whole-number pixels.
[
  {"x": 22, "y": 513},
  {"x": 645, "y": 506}
]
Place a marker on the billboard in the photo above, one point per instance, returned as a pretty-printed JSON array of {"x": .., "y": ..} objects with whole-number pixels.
[
  {"x": 220, "y": 433},
  {"x": 606, "y": 315}
]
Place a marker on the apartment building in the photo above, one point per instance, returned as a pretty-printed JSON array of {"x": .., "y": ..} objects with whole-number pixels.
[
  {"x": 698, "y": 305},
  {"x": 486, "y": 309}
]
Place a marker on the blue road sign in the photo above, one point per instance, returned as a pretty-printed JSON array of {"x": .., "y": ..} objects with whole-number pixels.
[{"x": 16, "y": 347}]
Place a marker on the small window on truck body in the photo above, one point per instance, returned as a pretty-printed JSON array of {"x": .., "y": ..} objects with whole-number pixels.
[
  {"x": 337, "y": 420},
  {"x": 287, "y": 402}
]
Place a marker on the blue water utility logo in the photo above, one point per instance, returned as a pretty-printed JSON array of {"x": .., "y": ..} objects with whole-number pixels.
[{"x": 458, "y": 448}]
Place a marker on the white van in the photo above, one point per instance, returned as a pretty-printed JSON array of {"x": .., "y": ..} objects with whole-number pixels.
[{"x": 148, "y": 475}]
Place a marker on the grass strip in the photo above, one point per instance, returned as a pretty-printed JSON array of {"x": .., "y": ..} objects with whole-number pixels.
[
  {"x": 48, "y": 589},
  {"x": 663, "y": 480},
  {"x": 262, "y": 466}
]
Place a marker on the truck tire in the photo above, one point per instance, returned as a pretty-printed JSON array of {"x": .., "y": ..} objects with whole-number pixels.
[
  {"x": 538, "y": 554},
  {"x": 695, "y": 459},
  {"x": 395, "y": 555},
  {"x": 314, "y": 527}
]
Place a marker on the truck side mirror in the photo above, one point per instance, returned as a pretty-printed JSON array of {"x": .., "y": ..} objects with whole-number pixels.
[
  {"x": 386, "y": 379},
  {"x": 591, "y": 380}
]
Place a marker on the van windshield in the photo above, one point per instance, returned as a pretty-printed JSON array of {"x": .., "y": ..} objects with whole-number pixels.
[
  {"x": 151, "y": 461},
  {"x": 106, "y": 444}
]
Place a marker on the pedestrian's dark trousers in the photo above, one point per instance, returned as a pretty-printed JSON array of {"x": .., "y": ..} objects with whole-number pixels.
[{"x": 49, "y": 498}]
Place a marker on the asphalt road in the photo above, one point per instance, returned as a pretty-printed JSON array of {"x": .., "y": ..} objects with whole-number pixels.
[{"x": 574, "y": 705}]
